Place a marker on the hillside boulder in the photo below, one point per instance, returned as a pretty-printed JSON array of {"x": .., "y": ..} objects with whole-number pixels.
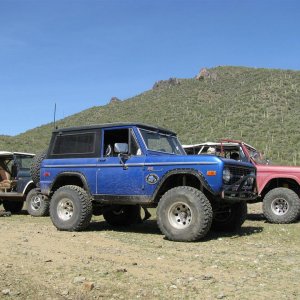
[
  {"x": 114, "y": 100},
  {"x": 205, "y": 73},
  {"x": 166, "y": 83}
]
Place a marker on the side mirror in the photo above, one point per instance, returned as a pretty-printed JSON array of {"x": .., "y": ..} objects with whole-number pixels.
[{"x": 121, "y": 148}]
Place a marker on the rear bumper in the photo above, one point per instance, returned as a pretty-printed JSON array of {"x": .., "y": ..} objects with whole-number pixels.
[{"x": 242, "y": 190}]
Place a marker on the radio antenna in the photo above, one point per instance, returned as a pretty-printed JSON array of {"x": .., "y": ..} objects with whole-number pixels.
[{"x": 54, "y": 115}]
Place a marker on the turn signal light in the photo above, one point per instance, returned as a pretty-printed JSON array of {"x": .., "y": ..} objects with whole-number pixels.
[
  {"x": 211, "y": 173},
  {"x": 47, "y": 174}
]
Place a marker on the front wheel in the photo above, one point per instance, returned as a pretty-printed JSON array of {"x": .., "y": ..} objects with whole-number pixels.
[
  {"x": 71, "y": 208},
  {"x": 37, "y": 204},
  {"x": 13, "y": 206},
  {"x": 184, "y": 214},
  {"x": 229, "y": 217},
  {"x": 281, "y": 206}
]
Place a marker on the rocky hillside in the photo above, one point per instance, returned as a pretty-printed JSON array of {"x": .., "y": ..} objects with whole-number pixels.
[{"x": 259, "y": 106}]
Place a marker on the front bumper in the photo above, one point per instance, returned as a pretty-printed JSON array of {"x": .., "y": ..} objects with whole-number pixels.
[{"x": 242, "y": 190}]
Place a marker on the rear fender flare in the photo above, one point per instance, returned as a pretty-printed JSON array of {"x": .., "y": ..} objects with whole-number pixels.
[
  {"x": 28, "y": 187},
  {"x": 79, "y": 175}
]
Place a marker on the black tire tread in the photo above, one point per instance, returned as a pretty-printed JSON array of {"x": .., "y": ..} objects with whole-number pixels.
[
  {"x": 43, "y": 212},
  {"x": 131, "y": 216},
  {"x": 205, "y": 204},
  {"x": 87, "y": 208},
  {"x": 36, "y": 167},
  {"x": 13, "y": 206},
  {"x": 293, "y": 214},
  {"x": 240, "y": 211}
]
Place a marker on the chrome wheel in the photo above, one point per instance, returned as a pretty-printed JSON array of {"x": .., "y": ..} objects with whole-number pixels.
[
  {"x": 279, "y": 206},
  {"x": 180, "y": 215},
  {"x": 36, "y": 202},
  {"x": 65, "y": 209}
]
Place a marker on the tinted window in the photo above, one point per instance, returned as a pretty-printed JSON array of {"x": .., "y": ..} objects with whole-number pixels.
[{"x": 82, "y": 143}]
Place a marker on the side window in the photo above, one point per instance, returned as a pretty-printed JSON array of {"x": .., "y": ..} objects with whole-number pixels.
[
  {"x": 113, "y": 136},
  {"x": 74, "y": 144},
  {"x": 79, "y": 144}
]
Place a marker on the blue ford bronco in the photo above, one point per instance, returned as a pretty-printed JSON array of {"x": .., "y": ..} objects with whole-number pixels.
[{"x": 115, "y": 169}]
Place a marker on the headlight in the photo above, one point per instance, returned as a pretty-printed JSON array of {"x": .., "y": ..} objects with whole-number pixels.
[
  {"x": 226, "y": 175},
  {"x": 250, "y": 180}
]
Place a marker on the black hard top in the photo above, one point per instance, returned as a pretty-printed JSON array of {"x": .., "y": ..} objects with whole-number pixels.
[{"x": 111, "y": 125}]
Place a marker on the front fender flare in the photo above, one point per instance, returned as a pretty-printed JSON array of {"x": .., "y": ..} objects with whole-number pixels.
[{"x": 192, "y": 172}]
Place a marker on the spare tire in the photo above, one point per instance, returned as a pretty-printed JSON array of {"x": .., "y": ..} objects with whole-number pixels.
[{"x": 36, "y": 167}]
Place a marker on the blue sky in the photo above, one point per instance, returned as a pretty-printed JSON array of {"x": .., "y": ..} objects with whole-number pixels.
[{"x": 79, "y": 53}]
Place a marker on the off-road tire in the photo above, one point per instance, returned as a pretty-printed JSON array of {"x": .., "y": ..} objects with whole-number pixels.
[
  {"x": 35, "y": 167},
  {"x": 71, "y": 208},
  {"x": 229, "y": 217},
  {"x": 184, "y": 214},
  {"x": 122, "y": 215},
  {"x": 13, "y": 206},
  {"x": 281, "y": 206},
  {"x": 37, "y": 203}
]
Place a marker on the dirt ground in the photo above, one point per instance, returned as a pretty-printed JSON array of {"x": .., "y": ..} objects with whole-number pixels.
[{"x": 262, "y": 261}]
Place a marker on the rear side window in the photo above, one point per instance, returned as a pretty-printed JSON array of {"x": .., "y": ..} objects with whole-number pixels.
[{"x": 75, "y": 145}]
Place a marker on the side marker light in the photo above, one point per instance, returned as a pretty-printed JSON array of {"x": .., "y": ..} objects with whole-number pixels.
[{"x": 211, "y": 173}]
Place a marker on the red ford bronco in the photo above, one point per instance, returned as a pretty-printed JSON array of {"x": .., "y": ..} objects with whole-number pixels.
[{"x": 278, "y": 186}]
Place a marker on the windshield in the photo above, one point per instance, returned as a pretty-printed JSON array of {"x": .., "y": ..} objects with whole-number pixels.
[
  {"x": 24, "y": 162},
  {"x": 257, "y": 157},
  {"x": 158, "y": 141}
]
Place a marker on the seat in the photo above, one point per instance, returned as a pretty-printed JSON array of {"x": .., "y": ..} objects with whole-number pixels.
[
  {"x": 5, "y": 182},
  {"x": 234, "y": 156},
  {"x": 108, "y": 151}
]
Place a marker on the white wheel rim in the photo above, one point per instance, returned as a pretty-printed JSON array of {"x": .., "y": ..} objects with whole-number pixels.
[
  {"x": 65, "y": 209},
  {"x": 180, "y": 215},
  {"x": 279, "y": 206},
  {"x": 35, "y": 202}
]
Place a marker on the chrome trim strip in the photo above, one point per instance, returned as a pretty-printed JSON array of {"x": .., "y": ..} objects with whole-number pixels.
[
  {"x": 72, "y": 166},
  {"x": 180, "y": 163},
  {"x": 131, "y": 165},
  {"x": 26, "y": 186}
]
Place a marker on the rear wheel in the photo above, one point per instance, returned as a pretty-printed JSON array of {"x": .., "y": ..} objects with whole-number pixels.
[
  {"x": 13, "y": 206},
  {"x": 281, "y": 205},
  {"x": 71, "y": 208},
  {"x": 229, "y": 217},
  {"x": 122, "y": 215},
  {"x": 184, "y": 214},
  {"x": 37, "y": 204}
]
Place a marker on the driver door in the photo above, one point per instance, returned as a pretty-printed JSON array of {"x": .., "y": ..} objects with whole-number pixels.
[{"x": 116, "y": 177}]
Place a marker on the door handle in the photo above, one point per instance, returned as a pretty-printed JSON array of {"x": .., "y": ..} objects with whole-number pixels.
[{"x": 102, "y": 159}]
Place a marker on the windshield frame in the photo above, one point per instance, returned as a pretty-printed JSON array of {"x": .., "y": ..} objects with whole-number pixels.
[
  {"x": 175, "y": 141},
  {"x": 258, "y": 158}
]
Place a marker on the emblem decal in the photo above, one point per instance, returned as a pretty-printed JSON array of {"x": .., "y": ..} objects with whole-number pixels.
[{"x": 152, "y": 178}]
